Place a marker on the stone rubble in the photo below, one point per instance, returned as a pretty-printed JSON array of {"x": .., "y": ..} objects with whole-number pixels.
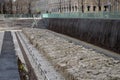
[{"x": 75, "y": 62}]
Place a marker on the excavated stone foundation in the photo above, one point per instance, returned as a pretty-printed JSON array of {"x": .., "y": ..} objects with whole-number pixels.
[{"x": 74, "y": 62}]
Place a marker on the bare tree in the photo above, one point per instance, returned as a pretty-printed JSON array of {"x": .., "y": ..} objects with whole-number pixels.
[{"x": 29, "y": 6}]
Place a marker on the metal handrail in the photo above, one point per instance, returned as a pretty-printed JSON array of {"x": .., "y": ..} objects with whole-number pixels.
[{"x": 21, "y": 15}]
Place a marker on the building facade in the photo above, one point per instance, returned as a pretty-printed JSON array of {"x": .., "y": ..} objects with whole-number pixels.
[
  {"x": 78, "y": 5},
  {"x": 59, "y": 6},
  {"x": 40, "y": 6},
  {"x": 21, "y": 7},
  {"x": 66, "y": 6}
]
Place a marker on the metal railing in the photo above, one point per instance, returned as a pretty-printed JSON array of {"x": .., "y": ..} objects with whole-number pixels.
[
  {"x": 10, "y": 17},
  {"x": 103, "y": 15},
  {"x": 21, "y": 15}
]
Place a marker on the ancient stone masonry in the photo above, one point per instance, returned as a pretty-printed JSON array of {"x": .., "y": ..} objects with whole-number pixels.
[{"x": 75, "y": 62}]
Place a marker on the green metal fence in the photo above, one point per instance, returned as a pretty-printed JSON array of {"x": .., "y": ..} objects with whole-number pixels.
[
  {"x": 21, "y": 15},
  {"x": 103, "y": 15}
]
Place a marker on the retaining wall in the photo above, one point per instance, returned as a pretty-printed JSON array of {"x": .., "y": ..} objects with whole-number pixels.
[{"x": 101, "y": 32}]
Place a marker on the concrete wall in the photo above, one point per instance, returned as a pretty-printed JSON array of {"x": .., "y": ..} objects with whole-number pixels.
[{"x": 101, "y": 32}]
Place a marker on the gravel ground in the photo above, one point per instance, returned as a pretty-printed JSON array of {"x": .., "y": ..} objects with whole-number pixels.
[{"x": 75, "y": 62}]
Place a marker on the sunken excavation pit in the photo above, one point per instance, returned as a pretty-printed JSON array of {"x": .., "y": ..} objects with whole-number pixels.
[{"x": 101, "y": 32}]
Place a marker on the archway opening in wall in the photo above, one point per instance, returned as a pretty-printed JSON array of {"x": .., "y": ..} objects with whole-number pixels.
[
  {"x": 76, "y": 8},
  {"x": 99, "y": 8},
  {"x": 60, "y": 10},
  {"x": 67, "y": 8},
  {"x": 46, "y": 12},
  {"x": 105, "y": 8},
  {"x": 64, "y": 8},
  {"x": 72, "y": 8},
  {"x": 88, "y": 8},
  {"x": 82, "y": 9},
  {"x": 94, "y": 8}
]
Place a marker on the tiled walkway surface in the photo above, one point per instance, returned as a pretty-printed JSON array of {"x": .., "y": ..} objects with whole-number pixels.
[{"x": 8, "y": 59}]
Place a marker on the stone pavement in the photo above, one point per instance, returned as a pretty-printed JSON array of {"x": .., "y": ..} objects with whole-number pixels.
[{"x": 8, "y": 59}]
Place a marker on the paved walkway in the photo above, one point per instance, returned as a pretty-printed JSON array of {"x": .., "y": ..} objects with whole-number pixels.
[
  {"x": 1, "y": 40},
  {"x": 8, "y": 59}
]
